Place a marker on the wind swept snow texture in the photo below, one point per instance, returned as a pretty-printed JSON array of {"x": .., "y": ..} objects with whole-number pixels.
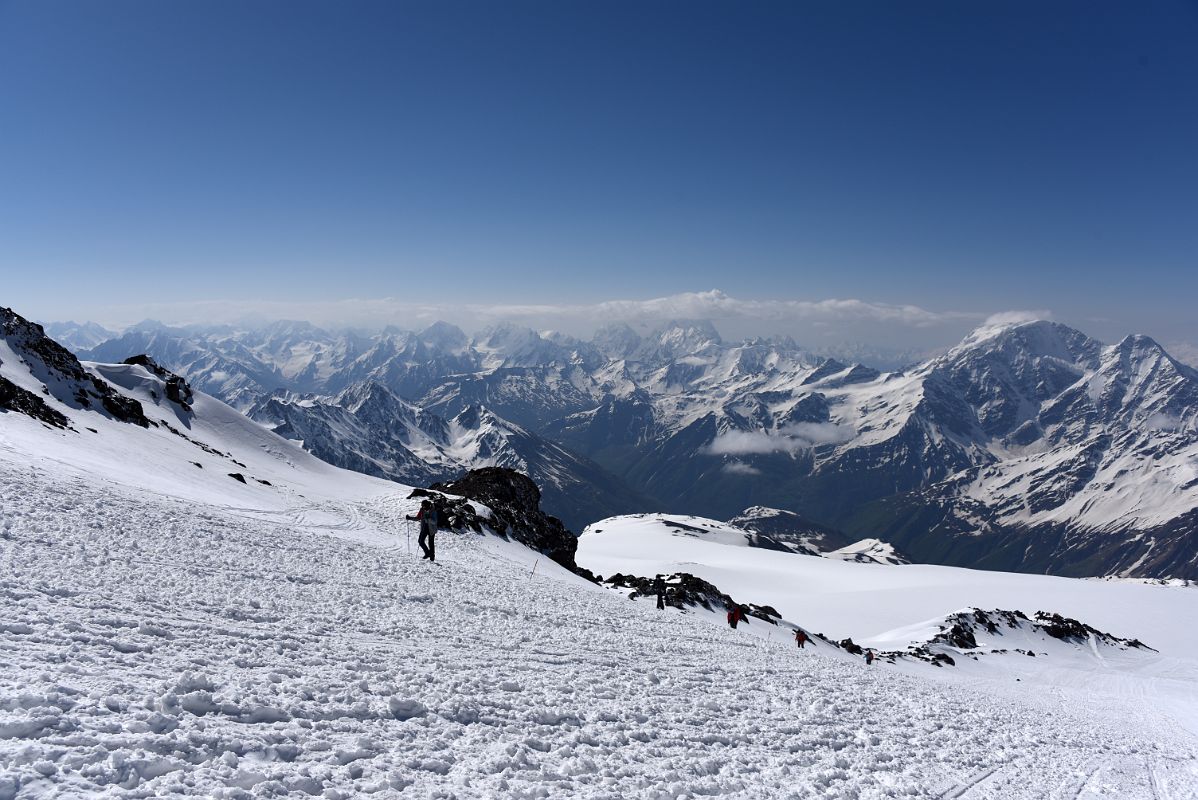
[{"x": 153, "y": 646}]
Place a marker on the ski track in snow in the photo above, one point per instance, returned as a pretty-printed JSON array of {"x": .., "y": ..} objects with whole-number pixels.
[{"x": 152, "y": 647}]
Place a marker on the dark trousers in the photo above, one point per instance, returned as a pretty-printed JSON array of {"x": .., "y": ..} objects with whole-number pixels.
[
  {"x": 661, "y": 599},
  {"x": 428, "y": 542}
]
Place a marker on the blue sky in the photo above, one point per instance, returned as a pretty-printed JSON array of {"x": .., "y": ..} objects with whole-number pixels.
[{"x": 961, "y": 157}]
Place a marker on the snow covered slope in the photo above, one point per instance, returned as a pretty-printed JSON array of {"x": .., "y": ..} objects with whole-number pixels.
[
  {"x": 167, "y": 630},
  {"x": 887, "y": 606}
]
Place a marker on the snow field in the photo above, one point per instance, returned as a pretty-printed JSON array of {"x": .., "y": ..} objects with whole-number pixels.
[{"x": 152, "y": 646}]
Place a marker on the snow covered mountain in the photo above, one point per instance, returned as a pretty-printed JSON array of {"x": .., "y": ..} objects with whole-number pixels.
[
  {"x": 1029, "y": 446},
  {"x": 78, "y": 336},
  {"x": 369, "y": 429},
  {"x": 195, "y": 606}
]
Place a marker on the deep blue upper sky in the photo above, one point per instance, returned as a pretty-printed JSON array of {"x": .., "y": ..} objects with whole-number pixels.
[{"x": 958, "y": 156}]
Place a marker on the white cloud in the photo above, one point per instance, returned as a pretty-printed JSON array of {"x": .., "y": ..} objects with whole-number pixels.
[
  {"x": 792, "y": 439},
  {"x": 881, "y": 334},
  {"x": 740, "y": 468},
  {"x": 712, "y": 305},
  {"x": 1163, "y": 422},
  {"x": 1004, "y": 318}
]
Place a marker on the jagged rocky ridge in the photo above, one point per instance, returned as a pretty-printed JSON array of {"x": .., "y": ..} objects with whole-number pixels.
[
  {"x": 1029, "y": 446},
  {"x": 959, "y": 634},
  {"x": 60, "y": 374}
]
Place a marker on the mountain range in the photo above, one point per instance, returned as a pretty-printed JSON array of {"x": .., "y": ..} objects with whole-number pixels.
[{"x": 1029, "y": 446}]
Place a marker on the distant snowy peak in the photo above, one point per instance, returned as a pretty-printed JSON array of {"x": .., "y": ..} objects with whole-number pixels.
[
  {"x": 616, "y": 341},
  {"x": 869, "y": 551},
  {"x": 679, "y": 338},
  {"x": 444, "y": 337},
  {"x": 509, "y": 345},
  {"x": 1033, "y": 338},
  {"x": 78, "y": 336}
]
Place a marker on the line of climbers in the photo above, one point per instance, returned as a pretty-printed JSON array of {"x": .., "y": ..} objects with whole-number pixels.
[
  {"x": 429, "y": 517},
  {"x": 736, "y": 615}
]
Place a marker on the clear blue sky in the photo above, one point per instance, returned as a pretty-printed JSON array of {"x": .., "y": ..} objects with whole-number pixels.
[{"x": 954, "y": 155}]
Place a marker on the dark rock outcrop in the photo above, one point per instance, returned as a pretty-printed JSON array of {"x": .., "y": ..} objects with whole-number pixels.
[
  {"x": 684, "y": 590},
  {"x": 515, "y": 503},
  {"x": 959, "y": 632},
  {"x": 23, "y": 401},
  {"x": 178, "y": 390},
  {"x": 1071, "y": 630},
  {"x": 61, "y": 372}
]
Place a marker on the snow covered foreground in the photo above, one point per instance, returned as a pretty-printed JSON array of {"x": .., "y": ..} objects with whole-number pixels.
[
  {"x": 153, "y": 646},
  {"x": 169, "y": 630},
  {"x": 891, "y": 607}
]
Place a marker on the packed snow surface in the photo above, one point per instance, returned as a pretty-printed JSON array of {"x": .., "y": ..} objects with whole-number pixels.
[
  {"x": 892, "y": 606},
  {"x": 169, "y": 630}
]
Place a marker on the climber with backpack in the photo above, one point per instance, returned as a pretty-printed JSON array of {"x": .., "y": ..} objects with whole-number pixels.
[
  {"x": 800, "y": 638},
  {"x": 427, "y": 515}
]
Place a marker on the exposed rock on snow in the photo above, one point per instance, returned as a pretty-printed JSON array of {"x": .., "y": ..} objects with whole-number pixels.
[
  {"x": 22, "y": 401},
  {"x": 869, "y": 551},
  {"x": 683, "y": 590},
  {"x": 515, "y": 503},
  {"x": 1004, "y": 632},
  {"x": 59, "y": 373},
  {"x": 178, "y": 390}
]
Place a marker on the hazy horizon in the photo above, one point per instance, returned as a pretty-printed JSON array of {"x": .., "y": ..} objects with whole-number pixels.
[{"x": 881, "y": 335}]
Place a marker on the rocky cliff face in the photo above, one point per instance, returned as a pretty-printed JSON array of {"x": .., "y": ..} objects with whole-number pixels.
[
  {"x": 515, "y": 502},
  {"x": 58, "y": 370}
]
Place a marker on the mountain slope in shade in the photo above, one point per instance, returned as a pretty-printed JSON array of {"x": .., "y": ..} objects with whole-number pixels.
[{"x": 369, "y": 429}]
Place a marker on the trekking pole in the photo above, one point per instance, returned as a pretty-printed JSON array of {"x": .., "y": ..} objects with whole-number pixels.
[{"x": 408, "y": 530}]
